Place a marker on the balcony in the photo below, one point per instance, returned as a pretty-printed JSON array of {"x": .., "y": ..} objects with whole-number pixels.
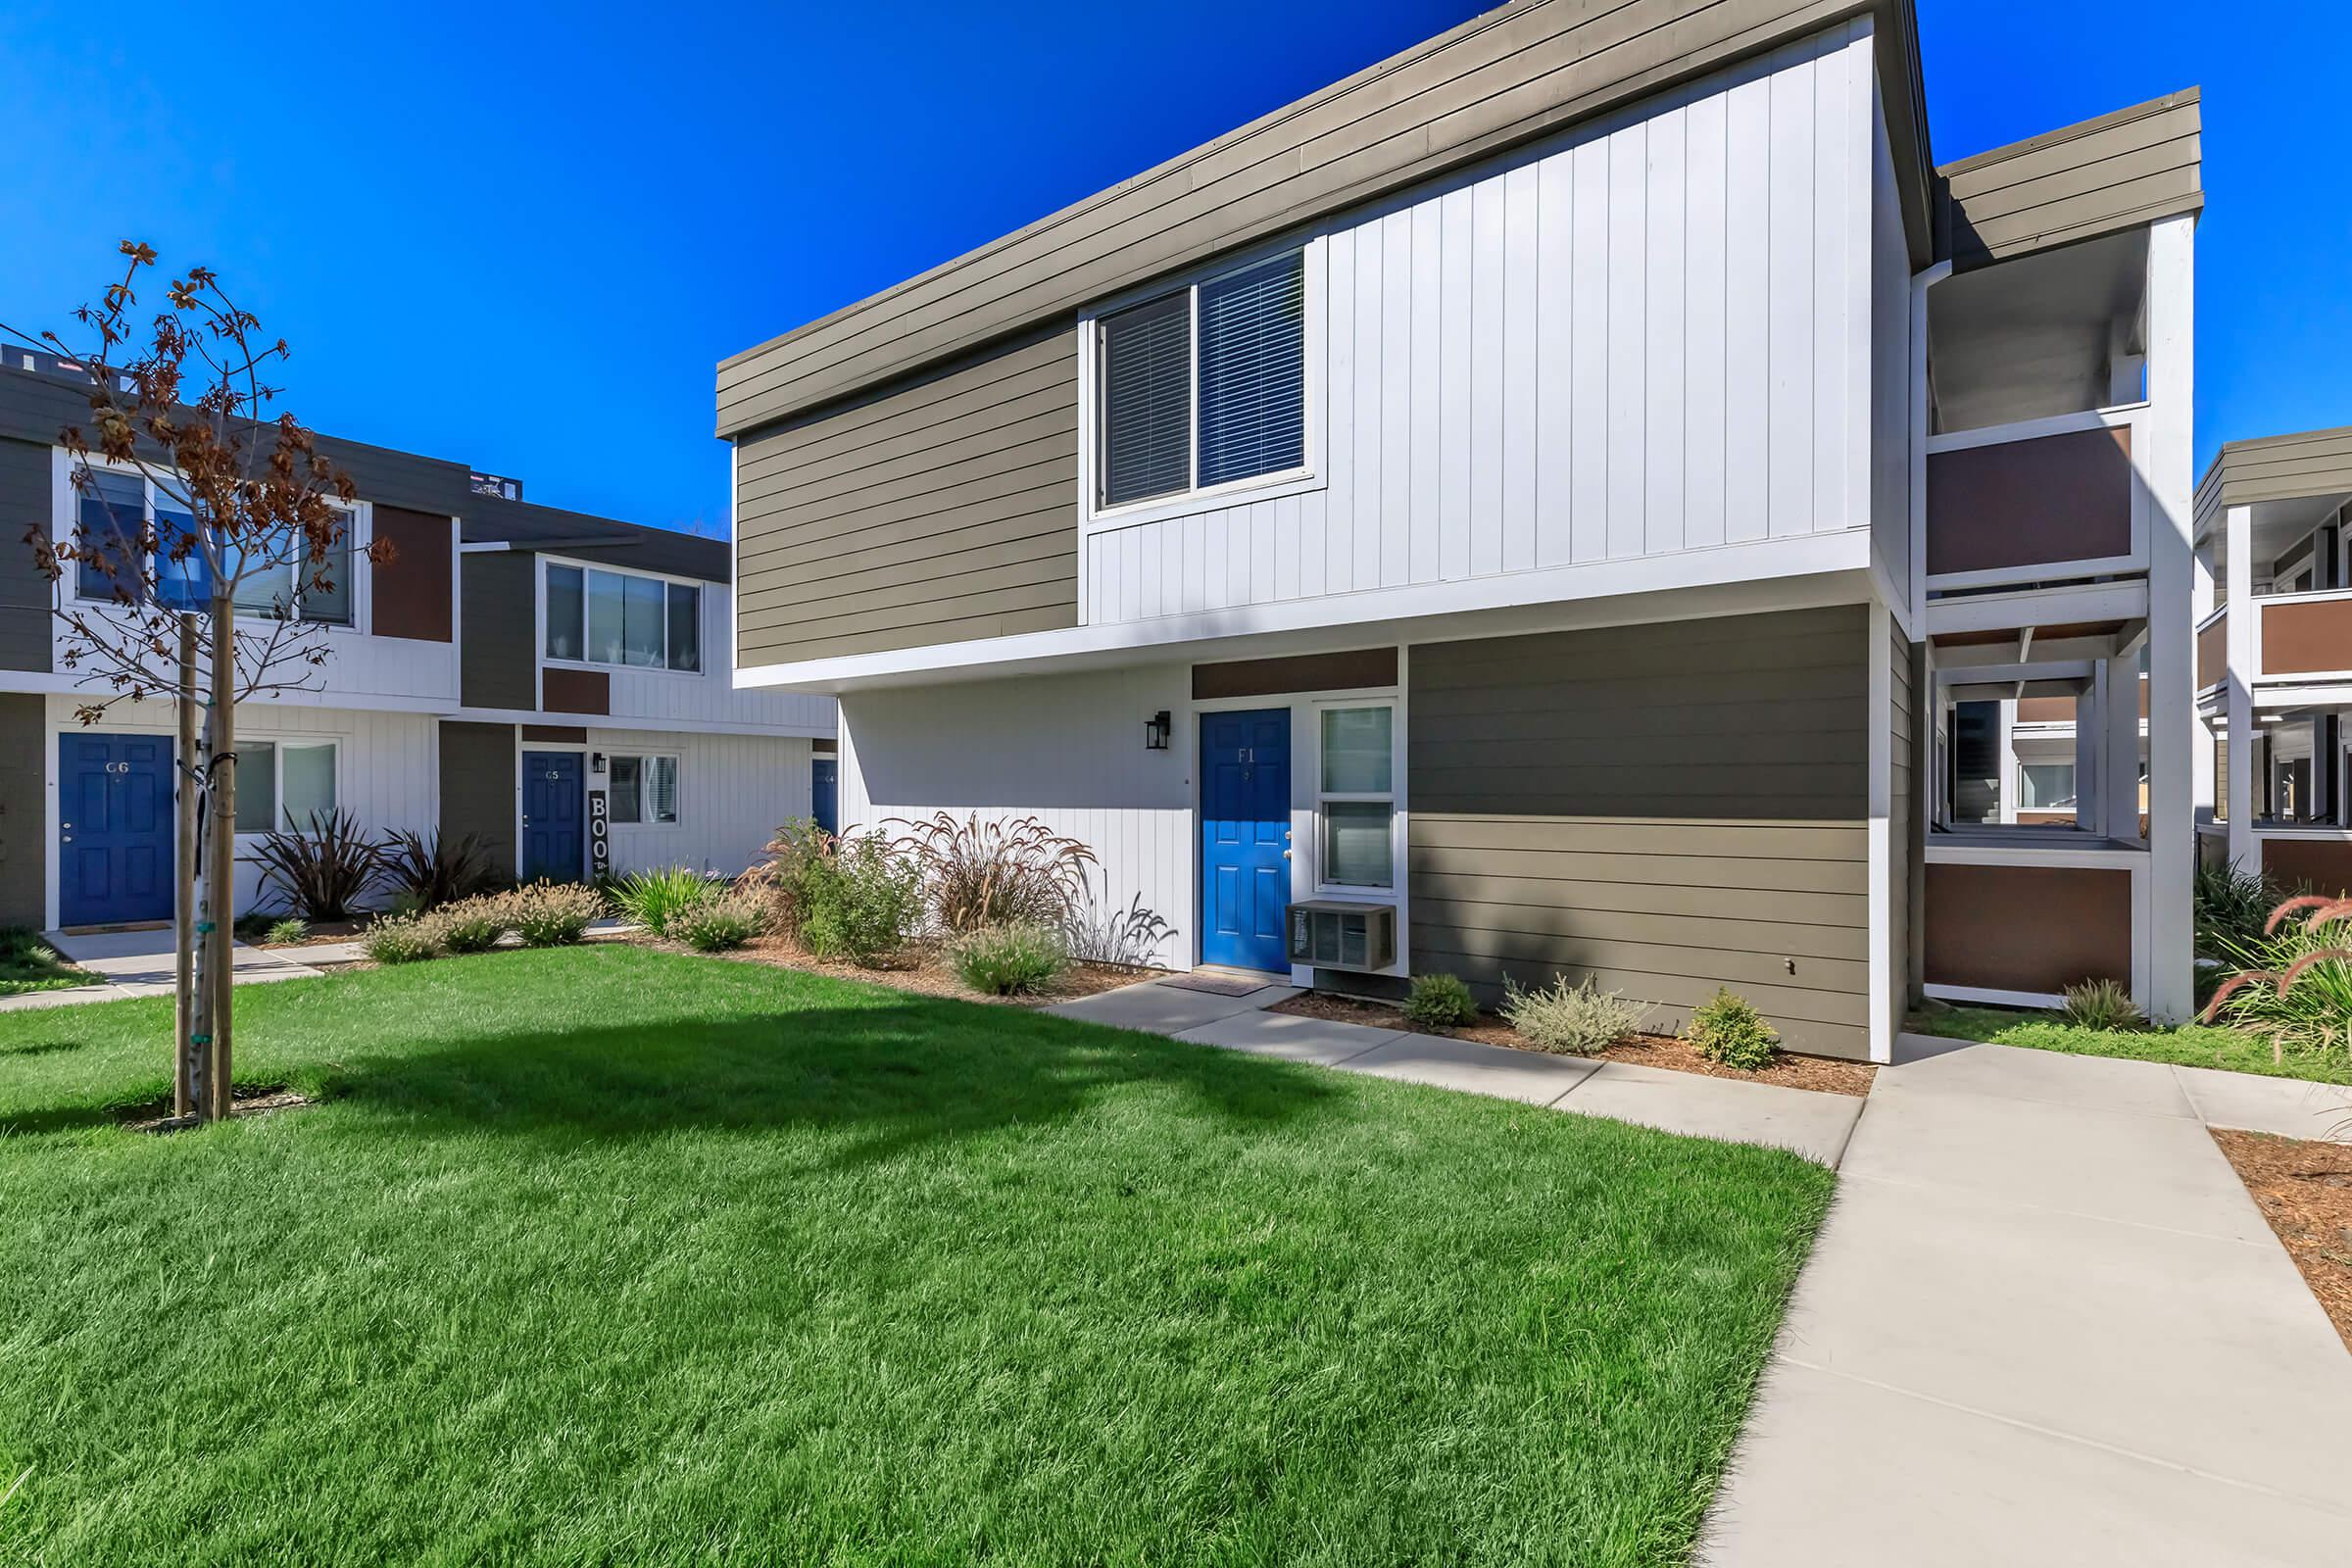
[
  {"x": 2300, "y": 639},
  {"x": 2035, "y": 501}
]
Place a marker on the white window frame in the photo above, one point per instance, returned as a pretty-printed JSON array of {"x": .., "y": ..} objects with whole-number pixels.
[
  {"x": 677, "y": 766},
  {"x": 702, "y": 618},
  {"x": 277, "y": 745},
  {"x": 1308, "y": 475},
  {"x": 358, "y": 533},
  {"x": 2076, "y": 806},
  {"x": 1391, "y": 798}
]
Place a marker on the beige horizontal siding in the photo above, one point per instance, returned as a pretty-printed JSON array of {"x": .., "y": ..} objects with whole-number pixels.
[
  {"x": 2278, "y": 468},
  {"x": 1598, "y": 804},
  {"x": 936, "y": 512},
  {"x": 2116, "y": 172},
  {"x": 1498, "y": 81}
]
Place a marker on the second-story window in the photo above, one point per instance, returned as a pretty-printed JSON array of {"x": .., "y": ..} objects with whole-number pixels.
[
  {"x": 112, "y": 508},
  {"x": 1207, "y": 386},
  {"x": 623, "y": 618}
]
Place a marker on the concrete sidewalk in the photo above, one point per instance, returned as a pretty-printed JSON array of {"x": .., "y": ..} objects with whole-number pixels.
[
  {"x": 2045, "y": 1324},
  {"x": 139, "y": 964}
]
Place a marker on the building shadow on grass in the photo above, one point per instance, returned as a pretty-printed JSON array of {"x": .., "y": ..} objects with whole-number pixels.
[{"x": 892, "y": 1077}]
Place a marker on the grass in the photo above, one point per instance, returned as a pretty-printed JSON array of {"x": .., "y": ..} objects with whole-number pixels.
[
  {"x": 27, "y": 963},
  {"x": 2190, "y": 1045},
  {"x": 606, "y": 1254}
]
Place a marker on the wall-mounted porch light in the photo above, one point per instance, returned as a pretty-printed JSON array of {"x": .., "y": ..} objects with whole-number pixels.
[
  {"x": 596, "y": 762},
  {"x": 1155, "y": 732}
]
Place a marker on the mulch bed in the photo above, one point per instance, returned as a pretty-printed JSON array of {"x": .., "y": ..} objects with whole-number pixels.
[
  {"x": 155, "y": 1116},
  {"x": 1824, "y": 1074},
  {"x": 325, "y": 931},
  {"x": 2304, "y": 1190},
  {"x": 919, "y": 970}
]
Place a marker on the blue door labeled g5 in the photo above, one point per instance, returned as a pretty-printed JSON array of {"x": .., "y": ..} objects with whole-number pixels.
[
  {"x": 114, "y": 830},
  {"x": 1245, "y": 836},
  {"x": 554, "y": 797}
]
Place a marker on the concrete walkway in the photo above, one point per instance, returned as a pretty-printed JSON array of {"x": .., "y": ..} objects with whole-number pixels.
[
  {"x": 2045, "y": 1324},
  {"x": 139, "y": 964}
]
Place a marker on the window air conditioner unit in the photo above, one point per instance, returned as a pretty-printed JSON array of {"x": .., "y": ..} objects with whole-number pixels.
[{"x": 1333, "y": 934}]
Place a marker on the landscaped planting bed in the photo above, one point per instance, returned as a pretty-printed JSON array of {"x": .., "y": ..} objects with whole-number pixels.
[
  {"x": 2192, "y": 1045},
  {"x": 602, "y": 1254},
  {"x": 1788, "y": 1070},
  {"x": 2304, "y": 1189}
]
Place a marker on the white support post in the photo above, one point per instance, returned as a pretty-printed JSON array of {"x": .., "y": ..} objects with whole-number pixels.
[
  {"x": 1888, "y": 960},
  {"x": 2171, "y": 697},
  {"x": 2090, "y": 767},
  {"x": 2238, "y": 696},
  {"x": 2201, "y": 600},
  {"x": 2005, "y": 789}
]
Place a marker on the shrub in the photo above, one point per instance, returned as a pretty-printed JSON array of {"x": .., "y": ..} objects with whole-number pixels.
[
  {"x": 654, "y": 898},
  {"x": 719, "y": 922},
  {"x": 1009, "y": 959},
  {"x": 2102, "y": 1005},
  {"x": 795, "y": 860},
  {"x": 862, "y": 903},
  {"x": 551, "y": 914},
  {"x": 285, "y": 932},
  {"x": 470, "y": 925},
  {"x": 322, "y": 872},
  {"x": 1440, "y": 1002},
  {"x": 400, "y": 939},
  {"x": 1097, "y": 933},
  {"x": 425, "y": 873},
  {"x": 2293, "y": 980},
  {"x": 979, "y": 873},
  {"x": 2230, "y": 905},
  {"x": 1579, "y": 1019},
  {"x": 1729, "y": 1031}
]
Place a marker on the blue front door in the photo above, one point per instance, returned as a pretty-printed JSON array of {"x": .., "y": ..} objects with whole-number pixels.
[
  {"x": 824, "y": 793},
  {"x": 1245, "y": 836},
  {"x": 554, "y": 815},
  {"x": 114, "y": 830}
]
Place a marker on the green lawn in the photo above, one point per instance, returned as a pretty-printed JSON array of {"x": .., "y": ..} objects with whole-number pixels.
[
  {"x": 27, "y": 963},
  {"x": 605, "y": 1256},
  {"x": 2192, "y": 1045}
]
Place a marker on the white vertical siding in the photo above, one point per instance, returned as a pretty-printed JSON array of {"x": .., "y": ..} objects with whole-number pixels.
[
  {"x": 733, "y": 791},
  {"x": 1066, "y": 749},
  {"x": 1651, "y": 337},
  {"x": 1890, "y": 372}
]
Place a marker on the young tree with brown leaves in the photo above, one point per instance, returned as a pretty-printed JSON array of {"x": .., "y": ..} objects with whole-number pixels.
[{"x": 203, "y": 526}]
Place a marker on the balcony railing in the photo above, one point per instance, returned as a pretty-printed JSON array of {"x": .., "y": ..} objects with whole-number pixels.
[
  {"x": 2038, "y": 500},
  {"x": 2303, "y": 637}
]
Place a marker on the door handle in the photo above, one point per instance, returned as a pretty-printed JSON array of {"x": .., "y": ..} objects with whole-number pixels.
[{"x": 1286, "y": 855}]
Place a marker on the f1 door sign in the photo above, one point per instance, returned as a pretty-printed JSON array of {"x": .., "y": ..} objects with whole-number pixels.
[{"x": 599, "y": 837}]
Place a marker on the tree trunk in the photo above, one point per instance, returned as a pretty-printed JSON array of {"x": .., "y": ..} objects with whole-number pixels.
[
  {"x": 183, "y": 878},
  {"x": 216, "y": 912}
]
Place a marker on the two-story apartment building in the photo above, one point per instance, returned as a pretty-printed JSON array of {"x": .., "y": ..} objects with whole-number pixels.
[
  {"x": 1532, "y": 508},
  {"x": 512, "y": 671},
  {"x": 2275, "y": 655}
]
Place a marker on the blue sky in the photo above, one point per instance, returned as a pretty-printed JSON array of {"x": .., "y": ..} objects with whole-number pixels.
[{"x": 521, "y": 237}]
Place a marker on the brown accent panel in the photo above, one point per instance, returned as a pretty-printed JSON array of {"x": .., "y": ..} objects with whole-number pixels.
[
  {"x": 24, "y": 591},
  {"x": 2062, "y": 631},
  {"x": 2302, "y": 639},
  {"x": 564, "y": 734},
  {"x": 1668, "y": 809},
  {"x": 24, "y": 827},
  {"x": 575, "y": 691},
  {"x": 2309, "y": 865},
  {"x": 823, "y": 746},
  {"x": 1306, "y": 672},
  {"x": 2031, "y": 503},
  {"x": 934, "y": 511},
  {"x": 497, "y": 659},
  {"x": 412, "y": 596},
  {"x": 2045, "y": 710},
  {"x": 2038, "y": 928},
  {"x": 478, "y": 787}
]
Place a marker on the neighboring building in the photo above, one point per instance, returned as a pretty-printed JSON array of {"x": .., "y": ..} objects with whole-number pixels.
[
  {"x": 463, "y": 689},
  {"x": 1536, "y": 501},
  {"x": 2274, "y": 682}
]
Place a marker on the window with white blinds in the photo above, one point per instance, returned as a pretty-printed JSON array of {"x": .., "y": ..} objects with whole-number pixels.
[{"x": 1205, "y": 386}]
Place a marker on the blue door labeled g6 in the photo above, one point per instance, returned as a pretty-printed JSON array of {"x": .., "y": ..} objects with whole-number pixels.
[
  {"x": 554, "y": 810},
  {"x": 114, "y": 830},
  {"x": 1245, "y": 836}
]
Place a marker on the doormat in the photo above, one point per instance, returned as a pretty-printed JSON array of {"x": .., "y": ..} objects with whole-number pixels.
[{"x": 1216, "y": 984}]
